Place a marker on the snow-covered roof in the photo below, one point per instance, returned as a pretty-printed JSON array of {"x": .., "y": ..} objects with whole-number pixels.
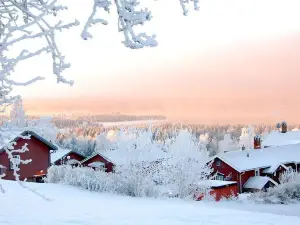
[
  {"x": 258, "y": 182},
  {"x": 273, "y": 168},
  {"x": 9, "y": 135},
  {"x": 72, "y": 161},
  {"x": 123, "y": 157},
  {"x": 244, "y": 160},
  {"x": 92, "y": 156},
  {"x": 96, "y": 164},
  {"x": 59, "y": 154},
  {"x": 215, "y": 183},
  {"x": 276, "y": 138}
]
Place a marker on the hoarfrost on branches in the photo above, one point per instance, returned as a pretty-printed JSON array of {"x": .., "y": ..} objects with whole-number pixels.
[
  {"x": 144, "y": 167},
  {"x": 17, "y": 114},
  {"x": 22, "y": 21},
  {"x": 129, "y": 16},
  {"x": 288, "y": 191}
]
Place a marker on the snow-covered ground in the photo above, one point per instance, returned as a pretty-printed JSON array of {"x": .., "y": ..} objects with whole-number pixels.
[{"x": 69, "y": 206}]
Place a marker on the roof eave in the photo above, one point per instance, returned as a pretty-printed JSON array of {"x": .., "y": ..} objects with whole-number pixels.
[
  {"x": 71, "y": 151},
  {"x": 40, "y": 138}
]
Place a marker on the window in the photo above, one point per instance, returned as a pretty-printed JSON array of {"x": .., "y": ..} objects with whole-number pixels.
[
  {"x": 219, "y": 177},
  {"x": 16, "y": 161},
  {"x": 218, "y": 162},
  {"x": 257, "y": 172}
]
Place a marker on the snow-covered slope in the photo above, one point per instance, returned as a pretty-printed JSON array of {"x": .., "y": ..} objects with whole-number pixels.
[{"x": 71, "y": 206}]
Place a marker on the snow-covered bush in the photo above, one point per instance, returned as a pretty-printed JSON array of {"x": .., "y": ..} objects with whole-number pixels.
[
  {"x": 144, "y": 168},
  {"x": 82, "y": 177},
  {"x": 286, "y": 192}
]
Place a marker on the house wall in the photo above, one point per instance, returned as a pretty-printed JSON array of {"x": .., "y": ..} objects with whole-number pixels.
[
  {"x": 225, "y": 169},
  {"x": 225, "y": 192},
  {"x": 244, "y": 178},
  {"x": 72, "y": 156},
  {"x": 241, "y": 178},
  {"x": 276, "y": 176},
  {"x": 108, "y": 165},
  {"x": 221, "y": 192},
  {"x": 39, "y": 154}
]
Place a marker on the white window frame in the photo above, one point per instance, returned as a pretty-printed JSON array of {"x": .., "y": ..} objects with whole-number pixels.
[
  {"x": 219, "y": 177},
  {"x": 257, "y": 172}
]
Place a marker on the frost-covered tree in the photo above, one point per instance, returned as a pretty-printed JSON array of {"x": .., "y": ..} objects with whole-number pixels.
[
  {"x": 17, "y": 114},
  {"x": 247, "y": 137},
  {"x": 145, "y": 167},
  {"x": 227, "y": 144},
  {"x": 45, "y": 128},
  {"x": 186, "y": 164},
  {"x": 102, "y": 143}
]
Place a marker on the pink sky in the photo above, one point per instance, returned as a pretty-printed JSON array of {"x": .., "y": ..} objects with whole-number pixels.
[
  {"x": 244, "y": 82},
  {"x": 235, "y": 61}
]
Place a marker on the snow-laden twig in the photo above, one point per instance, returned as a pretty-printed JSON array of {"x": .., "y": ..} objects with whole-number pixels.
[
  {"x": 129, "y": 16},
  {"x": 184, "y": 4},
  {"x": 23, "y": 20}
]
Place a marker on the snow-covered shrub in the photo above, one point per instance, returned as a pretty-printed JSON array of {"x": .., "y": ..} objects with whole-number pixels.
[
  {"x": 286, "y": 192},
  {"x": 144, "y": 168},
  {"x": 82, "y": 177}
]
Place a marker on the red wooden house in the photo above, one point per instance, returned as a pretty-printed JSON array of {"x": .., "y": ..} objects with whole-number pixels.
[
  {"x": 218, "y": 189},
  {"x": 247, "y": 167},
  {"x": 66, "y": 156},
  {"x": 98, "y": 161},
  {"x": 39, "y": 153}
]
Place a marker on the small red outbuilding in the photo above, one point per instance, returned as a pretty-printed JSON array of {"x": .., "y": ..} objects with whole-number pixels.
[
  {"x": 66, "y": 156},
  {"x": 98, "y": 161},
  {"x": 218, "y": 189}
]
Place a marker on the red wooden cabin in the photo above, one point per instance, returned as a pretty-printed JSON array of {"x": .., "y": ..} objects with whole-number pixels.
[
  {"x": 39, "y": 153},
  {"x": 97, "y": 161},
  {"x": 242, "y": 165},
  {"x": 65, "y": 156},
  {"x": 219, "y": 189}
]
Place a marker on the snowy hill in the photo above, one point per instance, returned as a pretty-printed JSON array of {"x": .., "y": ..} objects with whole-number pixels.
[{"x": 71, "y": 206}]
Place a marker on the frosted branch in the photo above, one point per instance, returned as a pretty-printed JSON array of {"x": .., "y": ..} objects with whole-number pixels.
[
  {"x": 16, "y": 162},
  {"x": 22, "y": 20},
  {"x": 184, "y": 4}
]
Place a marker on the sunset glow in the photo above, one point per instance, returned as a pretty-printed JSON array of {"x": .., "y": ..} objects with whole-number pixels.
[{"x": 232, "y": 62}]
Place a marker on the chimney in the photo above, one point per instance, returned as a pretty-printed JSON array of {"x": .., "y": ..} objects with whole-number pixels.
[
  {"x": 283, "y": 127},
  {"x": 257, "y": 142}
]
